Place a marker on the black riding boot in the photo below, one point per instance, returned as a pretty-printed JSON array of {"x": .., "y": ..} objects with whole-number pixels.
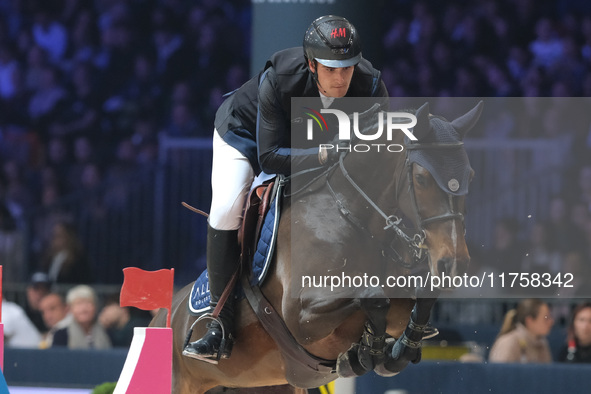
[{"x": 223, "y": 254}]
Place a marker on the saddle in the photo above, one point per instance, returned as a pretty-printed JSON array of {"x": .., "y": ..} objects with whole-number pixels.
[{"x": 257, "y": 206}]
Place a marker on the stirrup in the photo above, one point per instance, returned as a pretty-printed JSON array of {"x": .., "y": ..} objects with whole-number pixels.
[{"x": 224, "y": 349}]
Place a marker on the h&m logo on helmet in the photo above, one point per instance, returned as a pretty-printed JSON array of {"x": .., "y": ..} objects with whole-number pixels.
[{"x": 338, "y": 33}]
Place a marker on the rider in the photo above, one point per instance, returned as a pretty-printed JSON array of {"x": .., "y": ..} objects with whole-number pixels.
[{"x": 252, "y": 134}]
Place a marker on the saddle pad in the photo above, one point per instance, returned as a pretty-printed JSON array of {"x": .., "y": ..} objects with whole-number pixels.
[{"x": 200, "y": 296}]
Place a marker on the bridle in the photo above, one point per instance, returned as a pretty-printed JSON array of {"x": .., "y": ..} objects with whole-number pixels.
[
  {"x": 415, "y": 242},
  {"x": 451, "y": 214}
]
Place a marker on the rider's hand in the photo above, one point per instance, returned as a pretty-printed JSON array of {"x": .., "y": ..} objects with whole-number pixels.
[
  {"x": 322, "y": 155},
  {"x": 329, "y": 153}
]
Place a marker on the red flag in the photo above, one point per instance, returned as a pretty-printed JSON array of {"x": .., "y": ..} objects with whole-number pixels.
[{"x": 147, "y": 289}]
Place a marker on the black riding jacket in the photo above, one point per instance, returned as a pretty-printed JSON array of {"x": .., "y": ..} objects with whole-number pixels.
[{"x": 260, "y": 110}]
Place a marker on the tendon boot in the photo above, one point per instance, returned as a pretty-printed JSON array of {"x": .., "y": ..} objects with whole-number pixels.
[{"x": 223, "y": 255}]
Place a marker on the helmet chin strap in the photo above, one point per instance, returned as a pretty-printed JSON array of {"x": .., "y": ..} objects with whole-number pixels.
[{"x": 315, "y": 76}]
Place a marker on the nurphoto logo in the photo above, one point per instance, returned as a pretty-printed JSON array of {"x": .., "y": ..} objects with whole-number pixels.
[{"x": 386, "y": 122}]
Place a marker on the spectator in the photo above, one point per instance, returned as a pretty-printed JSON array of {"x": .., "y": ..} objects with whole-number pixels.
[
  {"x": 563, "y": 234},
  {"x": 569, "y": 66},
  {"x": 517, "y": 62},
  {"x": 58, "y": 157},
  {"x": 183, "y": 123},
  {"x": 50, "y": 34},
  {"x": 115, "y": 63},
  {"x": 120, "y": 177},
  {"x": 8, "y": 70},
  {"x": 11, "y": 248},
  {"x": 145, "y": 140},
  {"x": 36, "y": 62},
  {"x": 576, "y": 263},
  {"x": 142, "y": 89},
  {"x": 55, "y": 316},
  {"x": 172, "y": 57},
  {"x": 584, "y": 185},
  {"x": 546, "y": 49},
  {"x": 506, "y": 252},
  {"x": 120, "y": 322},
  {"x": 18, "y": 197},
  {"x": 84, "y": 153},
  {"x": 539, "y": 256},
  {"x": 84, "y": 37},
  {"x": 19, "y": 331},
  {"x": 579, "y": 217},
  {"x": 15, "y": 114},
  {"x": 83, "y": 332},
  {"x": 65, "y": 260},
  {"x": 578, "y": 347},
  {"x": 38, "y": 287},
  {"x": 45, "y": 102},
  {"x": 90, "y": 184},
  {"x": 53, "y": 212},
  {"x": 80, "y": 116},
  {"x": 522, "y": 338}
]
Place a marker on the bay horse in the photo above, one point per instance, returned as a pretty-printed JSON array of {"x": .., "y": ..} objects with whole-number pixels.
[{"x": 349, "y": 218}]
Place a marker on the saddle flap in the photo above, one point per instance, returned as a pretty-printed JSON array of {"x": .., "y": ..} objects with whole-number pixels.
[{"x": 257, "y": 205}]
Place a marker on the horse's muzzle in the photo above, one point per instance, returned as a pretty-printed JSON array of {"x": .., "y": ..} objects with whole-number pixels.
[{"x": 447, "y": 269}]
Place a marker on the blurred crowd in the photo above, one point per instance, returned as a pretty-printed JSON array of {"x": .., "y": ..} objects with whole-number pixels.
[
  {"x": 85, "y": 88},
  {"x": 555, "y": 243},
  {"x": 491, "y": 48}
]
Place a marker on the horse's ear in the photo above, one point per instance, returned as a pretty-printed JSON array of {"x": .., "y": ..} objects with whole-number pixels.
[
  {"x": 423, "y": 127},
  {"x": 465, "y": 122}
]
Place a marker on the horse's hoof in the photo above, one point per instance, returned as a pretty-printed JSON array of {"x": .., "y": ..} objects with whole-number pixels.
[
  {"x": 381, "y": 368},
  {"x": 348, "y": 365},
  {"x": 430, "y": 332},
  {"x": 383, "y": 371}
]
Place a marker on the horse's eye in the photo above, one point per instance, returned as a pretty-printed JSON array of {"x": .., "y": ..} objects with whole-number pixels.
[{"x": 421, "y": 180}]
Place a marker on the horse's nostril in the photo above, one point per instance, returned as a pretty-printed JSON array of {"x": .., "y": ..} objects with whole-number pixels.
[{"x": 443, "y": 266}]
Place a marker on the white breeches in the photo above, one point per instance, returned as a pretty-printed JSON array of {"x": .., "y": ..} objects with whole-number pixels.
[{"x": 231, "y": 180}]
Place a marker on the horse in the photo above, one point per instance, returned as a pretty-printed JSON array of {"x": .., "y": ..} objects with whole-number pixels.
[{"x": 351, "y": 217}]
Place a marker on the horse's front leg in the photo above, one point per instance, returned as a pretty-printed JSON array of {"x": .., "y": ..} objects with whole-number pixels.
[
  {"x": 369, "y": 352},
  {"x": 407, "y": 348}
]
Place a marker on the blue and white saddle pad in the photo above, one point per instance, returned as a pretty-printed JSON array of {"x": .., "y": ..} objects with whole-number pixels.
[{"x": 200, "y": 296}]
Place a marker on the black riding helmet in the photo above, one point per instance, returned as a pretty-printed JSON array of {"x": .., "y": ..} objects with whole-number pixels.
[{"x": 333, "y": 42}]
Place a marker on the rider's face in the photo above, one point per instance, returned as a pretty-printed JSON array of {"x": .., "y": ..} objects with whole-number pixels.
[{"x": 333, "y": 82}]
